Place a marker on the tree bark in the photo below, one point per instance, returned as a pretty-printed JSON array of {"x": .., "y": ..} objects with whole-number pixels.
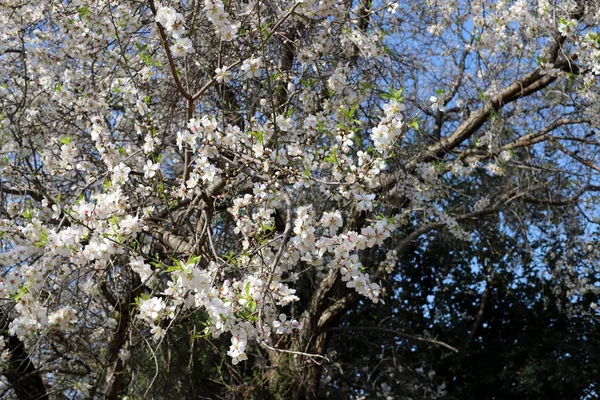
[{"x": 23, "y": 376}]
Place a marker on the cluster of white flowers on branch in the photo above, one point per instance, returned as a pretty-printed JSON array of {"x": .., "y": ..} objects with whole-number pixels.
[{"x": 150, "y": 169}]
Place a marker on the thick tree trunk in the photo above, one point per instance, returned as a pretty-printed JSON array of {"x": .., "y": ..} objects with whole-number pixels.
[
  {"x": 114, "y": 374},
  {"x": 297, "y": 376},
  {"x": 22, "y": 374}
]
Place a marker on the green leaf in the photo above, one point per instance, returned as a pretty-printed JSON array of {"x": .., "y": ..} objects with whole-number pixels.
[
  {"x": 28, "y": 214},
  {"x": 114, "y": 220},
  {"x": 194, "y": 260},
  {"x": 481, "y": 95},
  {"x": 43, "y": 240},
  {"x": 348, "y": 113},
  {"x": 258, "y": 135},
  {"x": 146, "y": 58},
  {"x": 264, "y": 28},
  {"x": 414, "y": 124},
  {"x": 267, "y": 228},
  {"x": 177, "y": 267},
  {"x": 331, "y": 157},
  {"x": 229, "y": 256},
  {"x": 83, "y": 12},
  {"x": 394, "y": 94},
  {"x": 142, "y": 297},
  {"x": 23, "y": 290},
  {"x": 247, "y": 289}
]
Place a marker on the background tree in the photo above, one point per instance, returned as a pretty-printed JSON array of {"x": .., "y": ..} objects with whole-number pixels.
[{"x": 238, "y": 198}]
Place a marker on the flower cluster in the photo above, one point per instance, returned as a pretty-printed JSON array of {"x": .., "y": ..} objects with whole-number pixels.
[
  {"x": 251, "y": 67},
  {"x": 390, "y": 128},
  {"x": 174, "y": 24},
  {"x": 218, "y": 15}
]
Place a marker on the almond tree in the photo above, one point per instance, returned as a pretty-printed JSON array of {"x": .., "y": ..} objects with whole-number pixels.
[{"x": 264, "y": 164}]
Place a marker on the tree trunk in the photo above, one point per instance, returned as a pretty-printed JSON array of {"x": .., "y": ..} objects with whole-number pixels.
[
  {"x": 22, "y": 374},
  {"x": 296, "y": 376}
]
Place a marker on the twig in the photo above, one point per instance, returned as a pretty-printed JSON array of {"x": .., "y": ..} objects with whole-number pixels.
[
  {"x": 299, "y": 353},
  {"x": 398, "y": 333}
]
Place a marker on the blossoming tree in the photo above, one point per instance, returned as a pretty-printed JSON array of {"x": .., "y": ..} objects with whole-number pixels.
[{"x": 263, "y": 164}]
